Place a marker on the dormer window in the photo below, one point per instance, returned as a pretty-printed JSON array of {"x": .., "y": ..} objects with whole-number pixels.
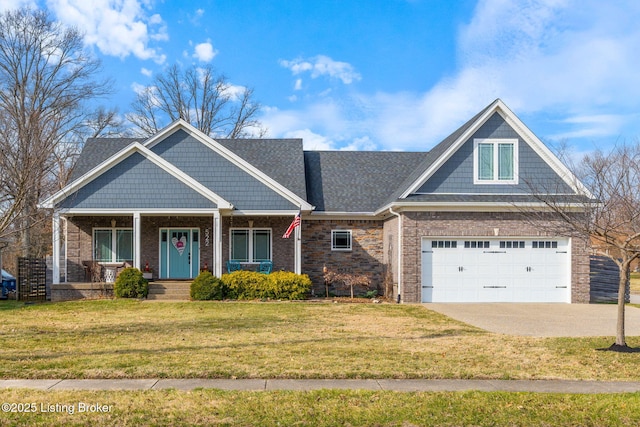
[{"x": 495, "y": 161}]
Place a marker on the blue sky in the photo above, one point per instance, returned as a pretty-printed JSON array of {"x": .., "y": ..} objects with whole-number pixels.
[{"x": 386, "y": 74}]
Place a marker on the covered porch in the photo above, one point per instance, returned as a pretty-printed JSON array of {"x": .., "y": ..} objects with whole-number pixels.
[{"x": 169, "y": 245}]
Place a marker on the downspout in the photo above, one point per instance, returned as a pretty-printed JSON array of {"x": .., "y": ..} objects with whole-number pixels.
[{"x": 399, "y": 252}]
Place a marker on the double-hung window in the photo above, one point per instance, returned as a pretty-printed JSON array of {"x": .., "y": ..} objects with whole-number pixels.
[
  {"x": 251, "y": 244},
  {"x": 113, "y": 244},
  {"x": 495, "y": 161}
]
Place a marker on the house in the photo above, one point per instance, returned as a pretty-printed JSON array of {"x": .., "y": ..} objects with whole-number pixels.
[{"x": 442, "y": 225}]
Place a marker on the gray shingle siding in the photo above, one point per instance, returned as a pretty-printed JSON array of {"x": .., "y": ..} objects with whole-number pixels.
[
  {"x": 456, "y": 174},
  {"x": 136, "y": 183},
  {"x": 218, "y": 174}
]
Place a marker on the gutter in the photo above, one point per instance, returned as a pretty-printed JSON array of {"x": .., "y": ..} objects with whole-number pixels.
[{"x": 399, "y": 252}]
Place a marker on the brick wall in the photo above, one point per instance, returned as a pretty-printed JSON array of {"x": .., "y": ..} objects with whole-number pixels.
[
  {"x": 80, "y": 239},
  {"x": 282, "y": 249},
  {"x": 490, "y": 224},
  {"x": 150, "y": 238},
  {"x": 366, "y": 256}
]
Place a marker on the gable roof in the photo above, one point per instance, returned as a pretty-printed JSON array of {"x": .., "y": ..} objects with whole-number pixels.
[
  {"x": 121, "y": 156},
  {"x": 445, "y": 149},
  {"x": 233, "y": 158},
  {"x": 329, "y": 182}
]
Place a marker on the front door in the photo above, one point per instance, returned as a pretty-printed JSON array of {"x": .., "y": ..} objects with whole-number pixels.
[{"x": 179, "y": 253}]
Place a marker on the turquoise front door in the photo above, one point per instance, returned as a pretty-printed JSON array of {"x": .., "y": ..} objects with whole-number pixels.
[{"x": 179, "y": 253}]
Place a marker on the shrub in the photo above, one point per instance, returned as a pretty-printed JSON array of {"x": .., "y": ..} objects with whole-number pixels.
[
  {"x": 207, "y": 287},
  {"x": 246, "y": 285},
  {"x": 131, "y": 284},
  {"x": 288, "y": 285}
]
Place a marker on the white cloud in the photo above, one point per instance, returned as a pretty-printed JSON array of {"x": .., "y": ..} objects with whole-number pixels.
[
  {"x": 146, "y": 72},
  {"x": 311, "y": 140},
  {"x": 116, "y": 28},
  {"x": 573, "y": 60},
  {"x": 204, "y": 52},
  {"x": 322, "y": 65}
]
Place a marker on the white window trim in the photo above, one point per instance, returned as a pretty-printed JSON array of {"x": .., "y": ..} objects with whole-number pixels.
[
  {"x": 114, "y": 242},
  {"x": 251, "y": 230},
  {"x": 350, "y": 248},
  {"x": 495, "y": 142}
]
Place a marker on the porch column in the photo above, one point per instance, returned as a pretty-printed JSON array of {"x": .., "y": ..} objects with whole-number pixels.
[
  {"x": 136, "y": 240},
  {"x": 56, "y": 247},
  {"x": 217, "y": 244},
  {"x": 298, "y": 248}
]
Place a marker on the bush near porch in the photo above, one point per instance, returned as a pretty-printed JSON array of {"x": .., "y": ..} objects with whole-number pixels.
[
  {"x": 249, "y": 285},
  {"x": 131, "y": 284}
]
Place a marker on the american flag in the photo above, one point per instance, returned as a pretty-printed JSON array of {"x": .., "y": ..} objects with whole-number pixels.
[{"x": 294, "y": 224}]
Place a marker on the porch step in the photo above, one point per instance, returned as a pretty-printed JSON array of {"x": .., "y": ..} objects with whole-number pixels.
[{"x": 174, "y": 290}]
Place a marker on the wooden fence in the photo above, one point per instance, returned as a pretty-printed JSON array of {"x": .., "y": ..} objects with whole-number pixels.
[
  {"x": 605, "y": 277},
  {"x": 32, "y": 277}
]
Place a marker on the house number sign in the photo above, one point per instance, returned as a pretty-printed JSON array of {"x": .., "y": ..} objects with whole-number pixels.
[{"x": 206, "y": 237}]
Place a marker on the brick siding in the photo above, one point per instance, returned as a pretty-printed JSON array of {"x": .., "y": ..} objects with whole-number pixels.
[
  {"x": 490, "y": 224},
  {"x": 80, "y": 239},
  {"x": 366, "y": 256}
]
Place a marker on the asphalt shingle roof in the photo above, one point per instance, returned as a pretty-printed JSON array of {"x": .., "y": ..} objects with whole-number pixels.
[
  {"x": 96, "y": 151},
  {"x": 281, "y": 159},
  {"x": 356, "y": 181}
]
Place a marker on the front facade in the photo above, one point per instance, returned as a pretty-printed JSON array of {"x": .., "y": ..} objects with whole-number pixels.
[{"x": 443, "y": 225}]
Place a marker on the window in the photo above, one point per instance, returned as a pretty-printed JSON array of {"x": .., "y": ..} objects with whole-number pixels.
[
  {"x": 340, "y": 240},
  {"x": 479, "y": 244},
  {"x": 547, "y": 244},
  {"x": 448, "y": 244},
  {"x": 250, "y": 245},
  {"x": 508, "y": 244},
  {"x": 495, "y": 161},
  {"x": 113, "y": 244}
]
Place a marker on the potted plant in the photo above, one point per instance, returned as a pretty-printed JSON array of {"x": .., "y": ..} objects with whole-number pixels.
[{"x": 147, "y": 272}]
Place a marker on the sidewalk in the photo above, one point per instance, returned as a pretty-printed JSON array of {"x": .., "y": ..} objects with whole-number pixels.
[{"x": 542, "y": 386}]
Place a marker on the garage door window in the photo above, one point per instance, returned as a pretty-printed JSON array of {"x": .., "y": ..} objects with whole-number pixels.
[
  {"x": 449, "y": 244},
  {"x": 476, "y": 244},
  {"x": 547, "y": 244},
  {"x": 512, "y": 244}
]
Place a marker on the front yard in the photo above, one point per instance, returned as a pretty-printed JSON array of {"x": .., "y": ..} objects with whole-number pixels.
[{"x": 132, "y": 339}]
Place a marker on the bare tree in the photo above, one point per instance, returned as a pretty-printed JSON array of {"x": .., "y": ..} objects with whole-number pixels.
[
  {"x": 609, "y": 216},
  {"x": 201, "y": 97},
  {"x": 46, "y": 78}
]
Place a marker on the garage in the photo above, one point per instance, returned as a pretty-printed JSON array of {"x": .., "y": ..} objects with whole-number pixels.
[{"x": 496, "y": 270}]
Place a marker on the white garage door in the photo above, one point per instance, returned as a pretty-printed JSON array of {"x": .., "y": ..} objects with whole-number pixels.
[{"x": 495, "y": 270}]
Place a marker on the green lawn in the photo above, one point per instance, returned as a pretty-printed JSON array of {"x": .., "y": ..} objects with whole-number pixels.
[
  {"x": 131, "y": 339},
  {"x": 321, "y": 408}
]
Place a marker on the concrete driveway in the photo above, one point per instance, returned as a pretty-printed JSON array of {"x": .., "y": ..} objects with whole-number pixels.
[{"x": 542, "y": 320}]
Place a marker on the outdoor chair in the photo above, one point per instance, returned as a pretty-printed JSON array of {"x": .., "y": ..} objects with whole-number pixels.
[
  {"x": 265, "y": 267},
  {"x": 92, "y": 271},
  {"x": 233, "y": 266}
]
